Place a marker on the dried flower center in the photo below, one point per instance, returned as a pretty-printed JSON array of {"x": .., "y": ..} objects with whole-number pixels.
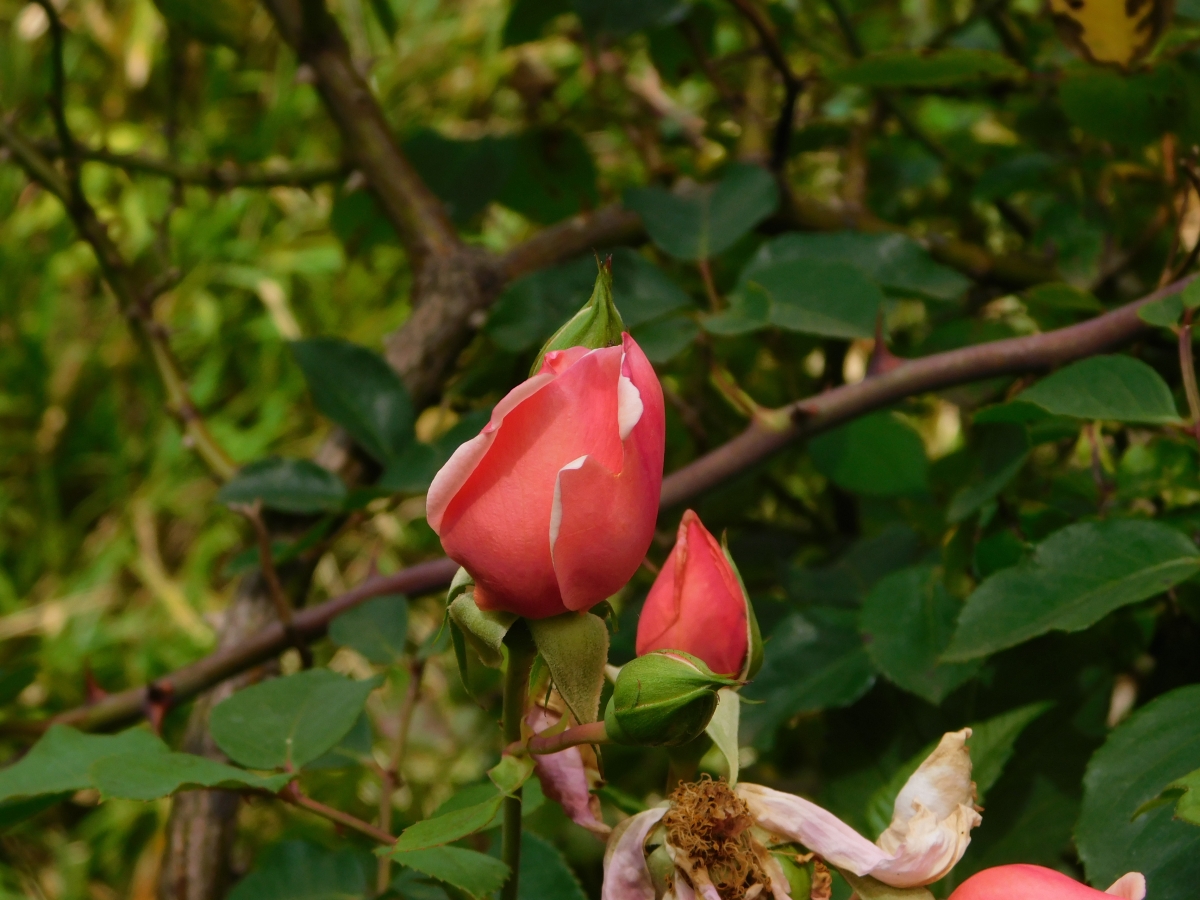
[{"x": 709, "y": 823}]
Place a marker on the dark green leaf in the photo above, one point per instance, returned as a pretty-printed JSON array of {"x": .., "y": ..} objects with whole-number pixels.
[
  {"x": 907, "y": 621},
  {"x": 13, "y": 812},
  {"x": 552, "y": 177},
  {"x": 1073, "y": 579},
  {"x": 465, "y": 175},
  {"x": 831, "y": 299},
  {"x": 1029, "y": 170},
  {"x": 377, "y": 629},
  {"x": 811, "y": 662},
  {"x": 62, "y": 759},
  {"x": 1185, "y": 794},
  {"x": 1003, "y": 451},
  {"x": 289, "y": 485},
  {"x": 545, "y": 874},
  {"x": 622, "y": 17},
  {"x": 1163, "y": 312},
  {"x": 1127, "y": 109},
  {"x": 449, "y": 826},
  {"x": 154, "y": 774},
  {"x": 877, "y": 455},
  {"x": 642, "y": 291},
  {"x": 533, "y": 307},
  {"x": 707, "y": 219},
  {"x": 359, "y": 391},
  {"x": 298, "y": 870},
  {"x": 527, "y": 18},
  {"x": 942, "y": 68},
  {"x": 749, "y": 310},
  {"x": 895, "y": 262},
  {"x": 1156, "y": 745},
  {"x": 221, "y": 22},
  {"x": 665, "y": 339},
  {"x": 288, "y": 721},
  {"x": 846, "y": 581},
  {"x": 476, "y": 873},
  {"x": 1116, "y": 388}
]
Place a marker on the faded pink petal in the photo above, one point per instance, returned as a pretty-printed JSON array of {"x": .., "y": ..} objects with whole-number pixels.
[
  {"x": 509, "y": 495},
  {"x": 1038, "y": 883},
  {"x": 564, "y": 776},
  {"x": 930, "y": 829},
  {"x": 626, "y": 876}
]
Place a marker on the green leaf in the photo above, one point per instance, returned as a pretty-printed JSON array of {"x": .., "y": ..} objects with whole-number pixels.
[
  {"x": 377, "y": 629},
  {"x": 643, "y": 292},
  {"x": 552, "y": 177},
  {"x": 907, "y": 621},
  {"x": 1116, "y": 388},
  {"x": 622, "y": 17},
  {"x": 288, "y": 721},
  {"x": 940, "y": 68},
  {"x": 895, "y": 262},
  {"x": 154, "y": 774},
  {"x": 527, "y": 18},
  {"x": 449, "y": 826},
  {"x": 748, "y": 310},
  {"x": 1191, "y": 294},
  {"x": 510, "y": 773},
  {"x": 62, "y": 759},
  {"x": 832, "y": 299},
  {"x": 723, "y": 729},
  {"x": 991, "y": 746},
  {"x": 665, "y": 339},
  {"x": 545, "y": 874},
  {"x": 1020, "y": 173},
  {"x": 575, "y": 648},
  {"x": 475, "y": 873},
  {"x": 1185, "y": 792},
  {"x": 1073, "y": 579},
  {"x": 708, "y": 219},
  {"x": 1127, "y": 109},
  {"x": 466, "y": 175},
  {"x": 298, "y": 870},
  {"x": 359, "y": 391},
  {"x": 1163, "y": 312},
  {"x": 846, "y": 581},
  {"x": 877, "y": 455},
  {"x": 289, "y": 485},
  {"x": 534, "y": 306},
  {"x": 811, "y": 662},
  {"x": 13, "y": 812},
  {"x": 1003, "y": 452},
  {"x": 1155, "y": 746},
  {"x": 220, "y": 22}
]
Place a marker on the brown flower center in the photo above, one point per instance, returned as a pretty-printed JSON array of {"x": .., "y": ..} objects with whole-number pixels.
[{"x": 709, "y": 823}]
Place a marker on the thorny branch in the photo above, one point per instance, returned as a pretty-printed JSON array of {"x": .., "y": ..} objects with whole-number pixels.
[
  {"x": 266, "y": 563},
  {"x": 771, "y": 431}
]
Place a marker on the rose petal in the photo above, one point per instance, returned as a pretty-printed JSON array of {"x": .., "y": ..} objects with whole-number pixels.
[
  {"x": 930, "y": 830},
  {"x": 565, "y": 776},
  {"x": 1038, "y": 883},
  {"x": 626, "y": 876}
]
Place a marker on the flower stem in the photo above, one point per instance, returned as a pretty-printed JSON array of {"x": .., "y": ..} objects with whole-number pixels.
[
  {"x": 521, "y": 652},
  {"x": 592, "y": 733}
]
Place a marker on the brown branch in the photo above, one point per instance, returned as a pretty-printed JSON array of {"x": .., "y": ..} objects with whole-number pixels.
[
  {"x": 293, "y": 795},
  {"x": 605, "y": 227},
  {"x": 134, "y": 293},
  {"x": 541, "y": 745},
  {"x": 417, "y": 214},
  {"x": 770, "y": 432},
  {"x": 218, "y": 177},
  {"x": 266, "y": 564}
]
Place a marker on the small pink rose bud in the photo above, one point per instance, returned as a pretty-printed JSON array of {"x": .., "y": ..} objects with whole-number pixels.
[
  {"x": 1037, "y": 883},
  {"x": 698, "y": 605},
  {"x": 552, "y": 507}
]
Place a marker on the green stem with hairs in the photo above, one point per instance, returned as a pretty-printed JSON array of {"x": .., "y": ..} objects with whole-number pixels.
[{"x": 521, "y": 652}]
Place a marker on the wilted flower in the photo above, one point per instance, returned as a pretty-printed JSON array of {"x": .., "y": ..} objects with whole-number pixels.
[
  {"x": 569, "y": 776},
  {"x": 1038, "y": 883},
  {"x": 716, "y": 842},
  {"x": 698, "y": 604}
]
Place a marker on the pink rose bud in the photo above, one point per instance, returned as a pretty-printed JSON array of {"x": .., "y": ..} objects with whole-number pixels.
[
  {"x": 552, "y": 507},
  {"x": 698, "y": 605},
  {"x": 1037, "y": 883}
]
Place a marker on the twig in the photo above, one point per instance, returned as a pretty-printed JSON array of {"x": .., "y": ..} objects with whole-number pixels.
[
  {"x": 293, "y": 795},
  {"x": 58, "y": 103},
  {"x": 591, "y": 733},
  {"x": 218, "y": 177},
  {"x": 266, "y": 564},
  {"x": 1187, "y": 368},
  {"x": 390, "y": 777},
  {"x": 710, "y": 286},
  {"x": 793, "y": 84},
  {"x": 1014, "y": 356}
]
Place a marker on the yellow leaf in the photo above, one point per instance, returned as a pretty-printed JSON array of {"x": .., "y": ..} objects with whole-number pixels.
[{"x": 1111, "y": 32}]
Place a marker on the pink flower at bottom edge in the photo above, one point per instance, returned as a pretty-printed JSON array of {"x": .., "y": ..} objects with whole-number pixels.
[{"x": 1025, "y": 882}]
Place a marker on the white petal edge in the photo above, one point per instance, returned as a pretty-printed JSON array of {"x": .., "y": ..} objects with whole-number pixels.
[
  {"x": 626, "y": 876},
  {"x": 629, "y": 405},
  {"x": 556, "y": 507},
  {"x": 1130, "y": 886},
  {"x": 458, "y": 468}
]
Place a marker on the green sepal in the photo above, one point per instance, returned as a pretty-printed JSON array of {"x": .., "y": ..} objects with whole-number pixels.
[
  {"x": 597, "y": 324},
  {"x": 665, "y": 698},
  {"x": 723, "y": 728},
  {"x": 484, "y": 630},
  {"x": 575, "y": 649},
  {"x": 754, "y": 642},
  {"x": 798, "y": 878},
  {"x": 868, "y": 888}
]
